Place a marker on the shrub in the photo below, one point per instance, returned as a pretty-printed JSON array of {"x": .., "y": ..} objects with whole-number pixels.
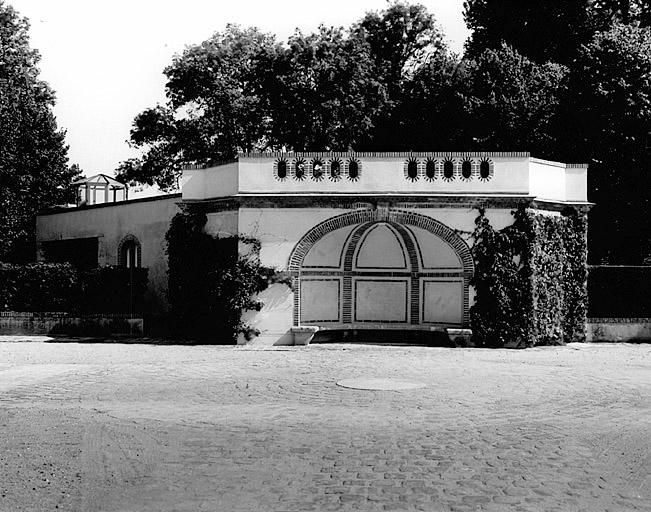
[
  {"x": 113, "y": 289},
  {"x": 210, "y": 284},
  {"x": 38, "y": 287},
  {"x": 60, "y": 287}
]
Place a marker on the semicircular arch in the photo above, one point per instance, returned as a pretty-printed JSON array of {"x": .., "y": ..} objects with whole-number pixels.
[{"x": 394, "y": 217}]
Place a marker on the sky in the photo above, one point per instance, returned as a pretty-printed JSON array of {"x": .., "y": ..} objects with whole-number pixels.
[{"x": 105, "y": 60}]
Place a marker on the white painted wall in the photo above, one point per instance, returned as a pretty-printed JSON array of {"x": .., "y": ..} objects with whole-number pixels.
[
  {"x": 547, "y": 181},
  {"x": 576, "y": 183},
  {"x": 217, "y": 181}
]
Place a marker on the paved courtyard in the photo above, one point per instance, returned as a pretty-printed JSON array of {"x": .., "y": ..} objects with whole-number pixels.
[{"x": 126, "y": 427}]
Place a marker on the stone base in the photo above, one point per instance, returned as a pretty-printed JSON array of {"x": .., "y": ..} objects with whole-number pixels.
[
  {"x": 303, "y": 335},
  {"x": 460, "y": 337}
]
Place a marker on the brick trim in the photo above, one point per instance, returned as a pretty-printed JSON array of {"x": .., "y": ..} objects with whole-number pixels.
[
  {"x": 389, "y": 154},
  {"x": 123, "y": 242},
  {"x": 365, "y": 219}
]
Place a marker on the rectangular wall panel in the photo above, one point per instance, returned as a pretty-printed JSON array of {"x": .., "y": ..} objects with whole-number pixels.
[
  {"x": 443, "y": 301},
  {"x": 380, "y": 300},
  {"x": 320, "y": 300}
]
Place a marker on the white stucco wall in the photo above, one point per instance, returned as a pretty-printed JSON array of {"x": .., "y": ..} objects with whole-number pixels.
[
  {"x": 576, "y": 183},
  {"x": 383, "y": 176},
  {"x": 547, "y": 180},
  {"x": 217, "y": 181},
  {"x": 280, "y": 229}
]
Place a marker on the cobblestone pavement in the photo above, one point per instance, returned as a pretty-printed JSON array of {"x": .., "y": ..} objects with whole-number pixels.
[{"x": 116, "y": 427}]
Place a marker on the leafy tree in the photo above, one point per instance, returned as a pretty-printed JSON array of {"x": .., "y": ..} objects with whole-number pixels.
[
  {"x": 214, "y": 108},
  {"x": 33, "y": 155},
  {"x": 608, "y": 122},
  {"x": 323, "y": 92},
  {"x": 406, "y": 46},
  {"x": 330, "y": 90},
  {"x": 542, "y": 31},
  {"x": 430, "y": 114},
  {"x": 623, "y": 11},
  {"x": 512, "y": 102}
]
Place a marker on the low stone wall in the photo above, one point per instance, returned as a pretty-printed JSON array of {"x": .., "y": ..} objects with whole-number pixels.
[
  {"x": 618, "y": 329},
  {"x": 19, "y": 323}
]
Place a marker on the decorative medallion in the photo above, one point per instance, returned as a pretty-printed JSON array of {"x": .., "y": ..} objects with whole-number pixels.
[
  {"x": 318, "y": 169},
  {"x": 335, "y": 169},
  {"x": 448, "y": 169},
  {"x": 485, "y": 169},
  {"x": 411, "y": 169},
  {"x": 299, "y": 169},
  {"x": 354, "y": 169},
  {"x": 430, "y": 169},
  {"x": 280, "y": 169}
]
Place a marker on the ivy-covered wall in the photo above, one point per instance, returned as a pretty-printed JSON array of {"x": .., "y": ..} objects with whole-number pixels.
[
  {"x": 210, "y": 283},
  {"x": 530, "y": 280}
]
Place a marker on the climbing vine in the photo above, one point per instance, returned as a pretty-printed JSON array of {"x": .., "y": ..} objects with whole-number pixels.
[
  {"x": 210, "y": 282},
  {"x": 530, "y": 280}
]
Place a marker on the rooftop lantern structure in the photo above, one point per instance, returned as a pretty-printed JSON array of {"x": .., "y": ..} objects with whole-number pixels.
[{"x": 100, "y": 189}]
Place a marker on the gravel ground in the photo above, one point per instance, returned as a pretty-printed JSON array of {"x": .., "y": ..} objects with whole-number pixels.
[{"x": 133, "y": 427}]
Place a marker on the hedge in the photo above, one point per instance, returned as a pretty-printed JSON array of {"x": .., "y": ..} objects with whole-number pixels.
[
  {"x": 37, "y": 287},
  {"x": 619, "y": 292}
]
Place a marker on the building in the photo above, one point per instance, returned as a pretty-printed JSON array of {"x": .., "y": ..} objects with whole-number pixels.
[{"x": 370, "y": 240}]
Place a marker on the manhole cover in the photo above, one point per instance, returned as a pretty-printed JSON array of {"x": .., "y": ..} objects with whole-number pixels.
[{"x": 380, "y": 384}]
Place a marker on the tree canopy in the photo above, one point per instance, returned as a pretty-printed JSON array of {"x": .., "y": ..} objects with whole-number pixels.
[
  {"x": 564, "y": 80},
  {"x": 33, "y": 155},
  {"x": 333, "y": 89},
  {"x": 609, "y": 112}
]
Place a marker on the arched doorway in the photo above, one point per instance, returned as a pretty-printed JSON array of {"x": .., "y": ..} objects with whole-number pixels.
[{"x": 374, "y": 269}]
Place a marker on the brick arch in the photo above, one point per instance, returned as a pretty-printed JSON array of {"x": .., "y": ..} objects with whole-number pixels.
[
  {"x": 121, "y": 257},
  {"x": 364, "y": 219},
  {"x": 394, "y": 217}
]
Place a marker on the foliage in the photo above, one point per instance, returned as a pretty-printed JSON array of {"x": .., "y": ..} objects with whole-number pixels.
[
  {"x": 513, "y": 101},
  {"x": 33, "y": 155},
  {"x": 427, "y": 112},
  {"x": 330, "y": 90},
  {"x": 61, "y": 287},
  {"x": 542, "y": 31},
  {"x": 314, "y": 105},
  {"x": 530, "y": 280},
  {"x": 113, "y": 289},
  {"x": 210, "y": 284},
  {"x": 608, "y": 113},
  {"x": 215, "y": 108},
  {"x": 38, "y": 287},
  {"x": 619, "y": 292},
  {"x": 500, "y": 313},
  {"x": 403, "y": 41}
]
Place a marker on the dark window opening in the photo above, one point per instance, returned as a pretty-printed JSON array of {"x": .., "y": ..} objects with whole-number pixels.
[
  {"x": 484, "y": 170},
  {"x": 282, "y": 169},
  {"x": 353, "y": 170},
  {"x": 448, "y": 170},
  {"x": 466, "y": 169},
  {"x": 412, "y": 170},
  {"x": 430, "y": 169},
  {"x": 79, "y": 252},
  {"x": 130, "y": 254}
]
